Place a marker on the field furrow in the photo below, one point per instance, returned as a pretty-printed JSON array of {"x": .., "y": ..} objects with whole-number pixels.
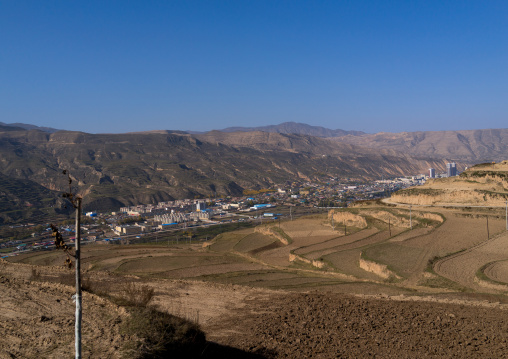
[
  {"x": 336, "y": 242},
  {"x": 462, "y": 267},
  {"x": 498, "y": 271}
]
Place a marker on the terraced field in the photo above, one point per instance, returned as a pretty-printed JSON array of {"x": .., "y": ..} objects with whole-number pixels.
[
  {"x": 362, "y": 248},
  {"x": 430, "y": 281},
  {"x": 497, "y": 271},
  {"x": 466, "y": 267}
]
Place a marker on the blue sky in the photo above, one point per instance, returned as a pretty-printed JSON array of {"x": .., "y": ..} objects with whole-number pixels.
[{"x": 120, "y": 66}]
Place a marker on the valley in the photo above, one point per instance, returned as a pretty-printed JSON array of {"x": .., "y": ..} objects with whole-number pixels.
[
  {"x": 392, "y": 278},
  {"x": 371, "y": 259},
  {"x": 116, "y": 170}
]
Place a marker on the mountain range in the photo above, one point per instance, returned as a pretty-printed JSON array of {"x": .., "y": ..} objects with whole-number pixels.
[
  {"x": 113, "y": 170},
  {"x": 473, "y": 146},
  {"x": 463, "y": 145},
  {"x": 296, "y": 128}
]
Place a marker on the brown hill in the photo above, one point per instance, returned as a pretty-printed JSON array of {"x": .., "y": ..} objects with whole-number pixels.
[
  {"x": 122, "y": 169},
  {"x": 472, "y": 146},
  {"x": 271, "y": 141},
  {"x": 469, "y": 146},
  {"x": 482, "y": 185}
]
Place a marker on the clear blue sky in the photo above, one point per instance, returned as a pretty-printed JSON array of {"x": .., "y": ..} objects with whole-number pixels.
[{"x": 119, "y": 66}]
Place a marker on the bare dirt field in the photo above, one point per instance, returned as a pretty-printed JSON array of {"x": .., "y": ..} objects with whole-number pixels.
[
  {"x": 498, "y": 271},
  {"x": 463, "y": 267},
  {"x": 317, "y": 248},
  {"x": 338, "y": 326},
  {"x": 252, "y": 300},
  {"x": 37, "y": 322}
]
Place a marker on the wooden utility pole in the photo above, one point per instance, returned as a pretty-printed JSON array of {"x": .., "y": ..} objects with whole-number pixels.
[
  {"x": 410, "y": 217},
  {"x": 76, "y": 203},
  {"x": 488, "y": 234},
  {"x": 77, "y": 327},
  {"x": 389, "y": 228}
]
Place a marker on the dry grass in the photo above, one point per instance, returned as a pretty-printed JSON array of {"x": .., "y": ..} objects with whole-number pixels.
[
  {"x": 226, "y": 241},
  {"x": 162, "y": 335},
  {"x": 400, "y": 259},
  {"x": 252, "y": 242},
  {"x": 161, "y": 264},
  {"x": 135, "y": 295},
  {"x": 157, "y": 334},
  {"x": 348, "y": 262}
]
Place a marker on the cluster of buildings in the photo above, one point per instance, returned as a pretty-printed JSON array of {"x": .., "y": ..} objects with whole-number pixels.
[
  {"x": 145, "y": 218},
  {"x": 451, "y": 171}
]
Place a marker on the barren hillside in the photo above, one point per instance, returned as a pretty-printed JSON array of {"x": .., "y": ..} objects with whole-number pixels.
[
  {"x": 124, "y": 169},
  {"x": 481, "y": 185},
  {"x": 468, "y": 146}
]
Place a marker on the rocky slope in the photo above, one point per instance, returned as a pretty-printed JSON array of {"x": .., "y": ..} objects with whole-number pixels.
[{"x": 24, "y": 199}]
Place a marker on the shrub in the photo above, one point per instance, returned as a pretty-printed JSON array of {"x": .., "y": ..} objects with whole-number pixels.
[
  {"x": 35, "y": 275},
  {"x": 134, "y": 295},
  {"x": 161, "y": 334},
  {"x": 88, "y": 285},
  {"x": 66, "y": 279}
]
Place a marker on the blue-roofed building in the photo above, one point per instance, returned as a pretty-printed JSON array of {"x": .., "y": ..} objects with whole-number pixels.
[{"x": 262, "y": 206}]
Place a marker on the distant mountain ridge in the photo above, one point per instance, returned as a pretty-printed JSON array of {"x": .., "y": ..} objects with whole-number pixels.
[
  {"x": 474, "y": 146},
  {"x": 296, "y": 128},
  {"x": 112, "y": 170},
  {"x": 17, "y": 126},
  {"x": 25, "y": 199},
  {"x": 463, "y": 145}
]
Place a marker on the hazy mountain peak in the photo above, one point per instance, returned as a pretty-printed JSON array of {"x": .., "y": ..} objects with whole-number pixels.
[
  {"x": 24, "y": 126},
  {"x": 295, "y": 128}
]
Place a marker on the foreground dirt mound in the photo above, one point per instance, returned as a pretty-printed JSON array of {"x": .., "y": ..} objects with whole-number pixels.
[
  {"x": 339, "y": 326},
  {"x": 37, "y": 321}
]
